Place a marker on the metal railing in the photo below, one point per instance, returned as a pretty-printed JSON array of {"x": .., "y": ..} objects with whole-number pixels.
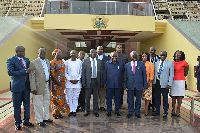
[{"x": 98, "y": 7}]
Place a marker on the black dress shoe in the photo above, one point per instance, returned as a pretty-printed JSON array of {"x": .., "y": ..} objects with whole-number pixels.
[
  {"x": 18, "y": 127},
  {"x": 70, "y": 114},
  {"x": 129, "y": 115},
  {"x": 96, "y": 114},
  {"x": 74, "y": 113},
  {"x": 117, "y": 113},
  {"x": 109, "y": 114},
  {"x": 138, "y": 115},
  {"x": 102, "y": 109},
  {"x": 86, "y": 114},
  {"x": 28, "y": 124},
  {"x": 48, "y": 121},
  {"x": 165, "y": 116},
  {"x": 60, "y": 116},
  {"x": 42, "y": 124}
]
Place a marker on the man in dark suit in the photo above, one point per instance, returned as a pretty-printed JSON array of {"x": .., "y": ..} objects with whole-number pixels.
[
  {"x": 18, "y": 69},
  {"x": 121, "y": 57},
  {"x": 91, "y": 72},
  {"x": 113, "y": 76},
  {"x": 136, "y": 81},
  {"x": 102, "y": 91}
]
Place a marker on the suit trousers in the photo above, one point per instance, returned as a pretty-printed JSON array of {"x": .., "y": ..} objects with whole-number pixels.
[
  {"x": 72, "y": 98},
  {"x": 134, "y": 105},
  {"x": 81, "y": 99},
  {"x": 88, "y": 92},
  {"x": 113, "y": 92},
  {"x": 41, "y": 104},
  {"x": 18, "y": 98},
  {"x": 102, "y": 96},
  {"x": 158, "y": 92}
]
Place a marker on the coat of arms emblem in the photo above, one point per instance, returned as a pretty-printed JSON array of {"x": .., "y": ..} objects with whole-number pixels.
[{"x": 100, "y": 22}]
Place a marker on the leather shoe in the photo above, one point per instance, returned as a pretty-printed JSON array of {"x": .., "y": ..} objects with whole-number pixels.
[
  {"x": 74, "y": 114},
  {"x": 70, "y": 114},
  {"x": 60, "y": 116},
  {"x": 96, "y": 114},
  {"x": 129, "y": 115},
  {"x": 48, "y": 121},
  {"x": 109, "y": 114},
  {"x": 102, "y": 109},
  {"x": 28, "y": 124},
  {"x": 18, "y": 127},
  {"x": 86, "y": 114},
  {"x": 117, "y": 113},
  {"x": 42, "y": 124},
  {"x": 138, "y": 115}
]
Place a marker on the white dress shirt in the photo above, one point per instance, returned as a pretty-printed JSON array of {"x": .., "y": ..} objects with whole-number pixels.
[
  {"x": 132, "y": 64},
  {"x": 23, "y": 61},
  {"x": 45, "y": 67},
  {"x": 91, "y": 60},
  {"x": 100, "y": 57},
  {"x": 73, "y": 72}
]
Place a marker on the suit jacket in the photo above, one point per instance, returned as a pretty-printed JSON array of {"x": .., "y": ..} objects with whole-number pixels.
[
  {"x": 37, "y": 76},
  {"x": 138, "y": 80},
  {"x": 19, "y": 80},
  {"x": 103, "y": 61},
  {"x": 87, "y": 73},
  {"x": 114, "y": 75},
  {"x": 167, "y": 74}
]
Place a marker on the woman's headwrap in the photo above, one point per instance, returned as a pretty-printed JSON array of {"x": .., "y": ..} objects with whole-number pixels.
[{"x": 55, "y": 51}]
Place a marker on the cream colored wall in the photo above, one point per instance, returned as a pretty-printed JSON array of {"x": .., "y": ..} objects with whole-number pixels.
[
  {"x": 31, "y": 40},
  {"x": 171, "y": 41}
]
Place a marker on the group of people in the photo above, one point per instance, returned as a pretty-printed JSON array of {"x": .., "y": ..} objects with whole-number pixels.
[{"x": 67, "y": 85}]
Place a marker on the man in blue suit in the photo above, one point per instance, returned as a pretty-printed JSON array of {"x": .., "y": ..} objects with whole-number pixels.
[
  {"x": 18, "y": 69},
  {"x": 113, "y": 76},
  {"x": 163, "y": 78},
  {"x": 136, "y": 81},
  {"x": 102, "y": 90}
]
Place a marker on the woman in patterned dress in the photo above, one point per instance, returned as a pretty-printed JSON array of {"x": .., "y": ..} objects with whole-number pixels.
[
  {"x": 58, "y": 101},
  {"x": 150, "y": 76}
]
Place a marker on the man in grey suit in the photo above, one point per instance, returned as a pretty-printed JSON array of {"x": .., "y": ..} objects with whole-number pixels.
[
  {"x": 164, "y": 73},
  {"x": 91, "y": 72}
]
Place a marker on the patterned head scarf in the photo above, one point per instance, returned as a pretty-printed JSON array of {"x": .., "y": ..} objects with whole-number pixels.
[{"x": 55, "y": 51}]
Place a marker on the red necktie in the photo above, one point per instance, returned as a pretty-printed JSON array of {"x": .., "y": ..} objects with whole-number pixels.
[{"x": 133, "y": 67}]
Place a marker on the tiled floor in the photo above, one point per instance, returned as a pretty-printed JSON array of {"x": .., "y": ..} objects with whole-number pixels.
[{"x": 102, "y": 124}]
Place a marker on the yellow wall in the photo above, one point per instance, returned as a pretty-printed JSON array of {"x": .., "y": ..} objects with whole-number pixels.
[
  {"x": 85, "y": 22},
  {"x": 171, "y": 41},
  {"x": 31, "y": 40}
]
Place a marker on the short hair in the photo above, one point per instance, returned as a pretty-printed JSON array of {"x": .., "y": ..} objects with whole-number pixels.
[
  {"x": 148, "y": 55},
  {"x": 182, "y": 55}
]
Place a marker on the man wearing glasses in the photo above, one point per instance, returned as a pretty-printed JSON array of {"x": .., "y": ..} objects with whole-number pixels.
[{"x": 164, "y": 73}]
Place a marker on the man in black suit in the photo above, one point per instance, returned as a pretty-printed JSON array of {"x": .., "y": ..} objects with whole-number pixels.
[
  {"x": 102, "y": 90},
  {"x": 18, "y": 70},
  {"x": 91, "y": 72}
]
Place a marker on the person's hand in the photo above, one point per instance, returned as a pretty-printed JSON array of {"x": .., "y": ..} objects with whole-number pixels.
[
  {"x": 34, "y": 92},
  {"x": 168, "y": 87},
  {"x": 28, "y": 70}
]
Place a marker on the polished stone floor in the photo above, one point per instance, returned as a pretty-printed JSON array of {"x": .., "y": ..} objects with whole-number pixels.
[{"x": 103, "y": 124}]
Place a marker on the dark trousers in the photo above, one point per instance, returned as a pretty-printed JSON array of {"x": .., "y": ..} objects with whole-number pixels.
[
  {"x": 153, "y": 96},
  {"x": 121, "y": 96},
  {"x": 158, "y": 92},
  {"x": 110, "y": 93},
  {"x": 18, "y": 98},
  {"x": 88, "y": 92},
  {"x": 81, "y": 99},
  {"x": 134, "y": 105}
]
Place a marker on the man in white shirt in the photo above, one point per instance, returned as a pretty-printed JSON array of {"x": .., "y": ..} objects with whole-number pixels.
[
  {"x": 39, "y": 83},
  {"x": 73, "y": 84}
]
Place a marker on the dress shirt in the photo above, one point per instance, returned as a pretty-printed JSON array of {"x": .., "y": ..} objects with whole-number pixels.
[
  {"x": 73, "y": 72},
  {"x": 160, "y": 61},
  {"x": 23, "y": 61},
  {"x": 91, "y": 60},
  {"x": 46, "y": 69},
  {"x": 100, "y": 57},
  {"x": 135, "y": 65}
]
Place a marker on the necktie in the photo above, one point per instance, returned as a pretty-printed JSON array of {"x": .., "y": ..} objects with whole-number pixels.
[
  {"x": 94, "y": 74},
  {"x": 160, "y": 69},
  {"x": 133, "y": 67},
  {"x": 21, "y": 62}
]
